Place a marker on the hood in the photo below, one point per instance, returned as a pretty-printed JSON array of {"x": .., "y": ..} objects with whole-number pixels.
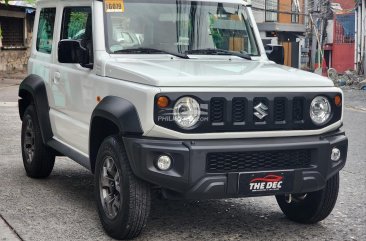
[{"x": 211, "y": 73}]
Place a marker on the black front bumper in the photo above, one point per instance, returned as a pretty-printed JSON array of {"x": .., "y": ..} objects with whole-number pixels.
[{"x": 190, "y": 178}]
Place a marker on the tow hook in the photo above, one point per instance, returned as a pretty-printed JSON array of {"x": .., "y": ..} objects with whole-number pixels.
[{"x": 288, "y": 198}]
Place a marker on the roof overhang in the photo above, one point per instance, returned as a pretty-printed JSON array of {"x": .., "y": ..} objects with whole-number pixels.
[
  {"x": 22, "y": 4},
  {"x": 281, "y": 27}
]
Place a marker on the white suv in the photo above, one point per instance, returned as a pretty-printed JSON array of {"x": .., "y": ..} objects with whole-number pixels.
[{"x": 178, "y": 96}]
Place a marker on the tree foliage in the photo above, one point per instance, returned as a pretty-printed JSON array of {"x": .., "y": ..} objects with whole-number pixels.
[
  {"x": 77, "y": 23},
  {"x": 28, "y": 1}
]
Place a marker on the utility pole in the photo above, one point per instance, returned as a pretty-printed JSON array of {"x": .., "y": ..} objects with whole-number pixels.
[
  {"x": 363, "y": 11},
  {"x": 314, "y": 16}
]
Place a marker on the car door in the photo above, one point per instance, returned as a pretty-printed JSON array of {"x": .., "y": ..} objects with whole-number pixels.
[
  {"x": 71, "y": 82},
  {"x": 40, "y": 61}
]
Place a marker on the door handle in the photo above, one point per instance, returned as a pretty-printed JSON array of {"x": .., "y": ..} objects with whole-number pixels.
[{"x": 57, "y": 78}]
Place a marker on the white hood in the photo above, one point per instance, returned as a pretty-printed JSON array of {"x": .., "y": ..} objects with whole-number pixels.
[{"x": 211, "y": 73}]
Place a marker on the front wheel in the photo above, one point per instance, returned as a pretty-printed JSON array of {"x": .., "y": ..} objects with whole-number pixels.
[
  {"x": 123, "y": 200},
  {"x": 311, "y": 207}
]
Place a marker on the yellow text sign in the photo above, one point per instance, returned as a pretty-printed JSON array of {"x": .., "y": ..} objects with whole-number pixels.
[{"x": 114, "y": 6}]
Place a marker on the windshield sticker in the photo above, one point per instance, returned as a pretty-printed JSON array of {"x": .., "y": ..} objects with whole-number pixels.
[{"x": 114, "y": 6}]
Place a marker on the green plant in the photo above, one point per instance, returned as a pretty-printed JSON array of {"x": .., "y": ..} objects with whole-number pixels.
[
  {"x": 28, "y": 1},
  {"x": 1, "y": 33}
]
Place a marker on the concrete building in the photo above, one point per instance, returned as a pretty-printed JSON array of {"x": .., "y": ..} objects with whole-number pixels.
[
  {"x": 284, "y": 22},
  {"x": 16, "y": 24}
]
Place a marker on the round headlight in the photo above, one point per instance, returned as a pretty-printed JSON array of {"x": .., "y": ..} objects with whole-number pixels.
[
  {"x": 320, "y": 110},
  {"x": 187, "y": 112}
]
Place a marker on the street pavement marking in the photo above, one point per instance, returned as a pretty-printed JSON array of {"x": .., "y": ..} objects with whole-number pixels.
[
  {"x": 8, "y": 104},
  {"x": 358, "y": 109}
]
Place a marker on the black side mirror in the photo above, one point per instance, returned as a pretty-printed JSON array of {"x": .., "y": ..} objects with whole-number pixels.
[
  {"x": 276, "y": 53},
  {"x": 72, "y": 52}
]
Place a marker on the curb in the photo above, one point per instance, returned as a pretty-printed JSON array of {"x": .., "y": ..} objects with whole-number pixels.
[{"x": 6, "y": 232}]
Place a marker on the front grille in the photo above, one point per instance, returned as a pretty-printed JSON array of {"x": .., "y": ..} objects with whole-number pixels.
[
  {"x": 258, "y": 113},
  {"x": 248, "y": 112},
  {"x": 220, "y": 162}
]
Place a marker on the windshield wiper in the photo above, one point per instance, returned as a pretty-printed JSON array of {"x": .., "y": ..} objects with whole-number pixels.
[
  {"x": 149, "y": 51},
  {"x": 211, "y": 51}
]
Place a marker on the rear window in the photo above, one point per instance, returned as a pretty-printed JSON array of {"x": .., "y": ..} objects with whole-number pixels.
[{"x": 45, "y": 30}]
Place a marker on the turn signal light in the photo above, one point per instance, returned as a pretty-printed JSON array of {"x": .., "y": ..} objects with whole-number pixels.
[
  {"x": 338, "y": 100},
  {"x": 162, "y": 102}
]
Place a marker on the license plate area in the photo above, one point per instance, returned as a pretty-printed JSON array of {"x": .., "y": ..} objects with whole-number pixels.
[{"x": 265, "y": 183}]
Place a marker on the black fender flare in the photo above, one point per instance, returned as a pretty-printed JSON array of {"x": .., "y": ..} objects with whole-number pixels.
[
  {"x": 113, "y": 115},
  {"x": 33, "y": 89}
]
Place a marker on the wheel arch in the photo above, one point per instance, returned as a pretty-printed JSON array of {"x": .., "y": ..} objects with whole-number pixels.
[
  {"x": 113, "y": 115},
  {"x": 32, "y": 90}
]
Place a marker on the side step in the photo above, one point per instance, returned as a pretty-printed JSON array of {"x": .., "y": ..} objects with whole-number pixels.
[{"x": 70, "y": 153}]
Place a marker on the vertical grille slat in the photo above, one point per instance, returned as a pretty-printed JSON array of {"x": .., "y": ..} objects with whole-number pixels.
[
  {"x": 239, "y": 107},
  {"x": 217, "y": 112},
  {"x": 279, "y": 111},
  {"x": 298, "y": 109}
]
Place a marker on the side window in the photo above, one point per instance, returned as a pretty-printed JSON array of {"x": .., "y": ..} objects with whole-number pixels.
[
  {"x": 76, "y": 23},
  {"x": 45, "y": 30}
]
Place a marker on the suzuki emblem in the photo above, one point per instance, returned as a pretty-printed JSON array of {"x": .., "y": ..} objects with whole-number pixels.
[{"x": 261, "y": 111}]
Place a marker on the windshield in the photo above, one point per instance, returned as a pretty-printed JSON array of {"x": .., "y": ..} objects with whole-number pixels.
[{"x": 179, "y": 27}]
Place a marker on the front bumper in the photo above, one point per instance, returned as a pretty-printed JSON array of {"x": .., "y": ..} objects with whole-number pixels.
[{"x": 190, "y": 178}]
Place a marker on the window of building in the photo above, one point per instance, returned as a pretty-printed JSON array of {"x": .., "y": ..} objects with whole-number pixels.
[
  {"x": 12, "y": 32},
  {"x": 45, "y": 30},
  {"x": 344, "y": 29},
  {"x": 271, "y": 10},
  {"x": 295, "y": 17}
]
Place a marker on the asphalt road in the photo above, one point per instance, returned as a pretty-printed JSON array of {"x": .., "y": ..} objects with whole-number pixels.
[{"x": 62, "y": 207}]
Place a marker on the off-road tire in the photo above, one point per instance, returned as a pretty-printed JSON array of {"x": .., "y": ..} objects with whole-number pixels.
[
  {"x": 134, "y": 208},
  {"x": 40, "y": 163},
  {"x": 315, "y": 207}
]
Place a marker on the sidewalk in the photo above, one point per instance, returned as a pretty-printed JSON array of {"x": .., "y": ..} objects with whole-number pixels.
[
  {"x": 6, "y": 233},
  {"x": 9, "y": 82},
  {"x": 9, "y": 79}
]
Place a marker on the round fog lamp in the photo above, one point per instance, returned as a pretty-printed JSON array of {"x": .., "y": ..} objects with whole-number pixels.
[
  {"x": 336, "y": 154},
  {"x": 164, "y": 163}
]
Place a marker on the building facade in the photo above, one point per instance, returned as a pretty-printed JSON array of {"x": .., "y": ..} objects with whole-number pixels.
[
  {"x": 16, "y": 24},
  {"x": 339, "y": 47},
  {"x": 284, "y": 22}
]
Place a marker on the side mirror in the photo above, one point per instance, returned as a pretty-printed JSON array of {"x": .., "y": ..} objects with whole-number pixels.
[
  {"x": 276, "y": 53},
  {"x": 72, "y": 52}
]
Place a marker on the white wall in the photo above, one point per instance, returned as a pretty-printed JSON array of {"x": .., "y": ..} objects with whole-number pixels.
[{"x": 259, "y": 15}]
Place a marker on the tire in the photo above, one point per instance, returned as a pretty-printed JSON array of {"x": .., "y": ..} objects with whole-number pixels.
[
  {"x": 312, "y": 207},
  {"x": 38, "y": 159},
  {"x": 129, "y": 197}
]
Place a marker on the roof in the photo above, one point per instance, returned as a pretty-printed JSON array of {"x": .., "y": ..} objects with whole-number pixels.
[
  {"x": 244, "y": 2},
  {"x": 23, "y": 4}
]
